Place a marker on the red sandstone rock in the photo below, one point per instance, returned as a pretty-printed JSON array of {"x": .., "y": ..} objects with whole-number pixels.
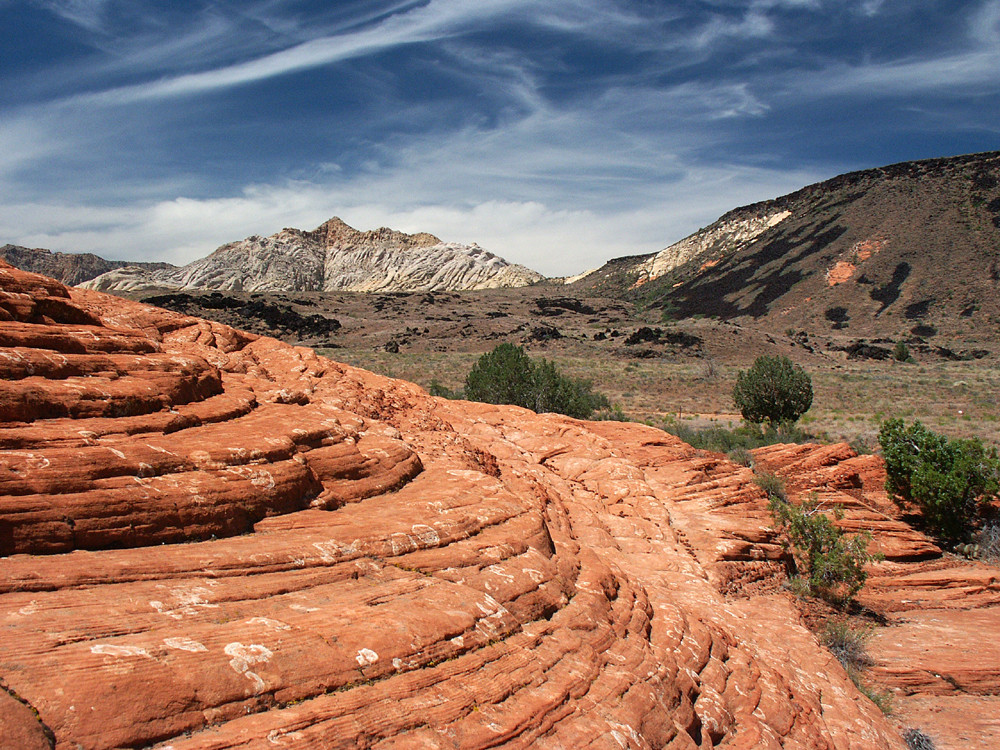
[
  {"x": 387, "y": 568},
  {"x": 939, "y": 653}
]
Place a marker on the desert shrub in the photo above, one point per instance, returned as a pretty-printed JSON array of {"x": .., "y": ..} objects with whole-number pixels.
[
  {"x": 610, "y": 414},
  {"x": 946, "y": 479},
  {"x": 834, "y": 565},
  {"x": 507, "y": 375},
  {"x": 987, "y": 539},
  {"x": 502, "y": 376},
  {"x": 746, "y": 436},
  {"x": 863, "y": 445},
  {"x": 917, "y": 740},
  {"x": 773, "y": 486},
  {"x": 881, "y": 698},
  {"x": 436, "y": 389},
  {"x": 901, "y": 352},
  {"x": 773, "y": 390},
  {"x": 741, "y": 456},
  {"x": 711, "y": 370},
  {"x": 849, "y": 645}
]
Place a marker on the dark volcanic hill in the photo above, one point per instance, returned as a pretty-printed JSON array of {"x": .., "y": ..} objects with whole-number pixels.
[
  {"x": 68, "y": 268},
  {"x": 911, "y": 249}
]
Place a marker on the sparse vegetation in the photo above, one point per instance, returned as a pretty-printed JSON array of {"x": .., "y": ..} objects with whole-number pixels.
[
  {"x": 741, "y": 456},
  {"x": 917, "y": 740},
  {"x": 773, "y": 486},
  {"x": 832, "y": 563},
  {"x": 436, "y": 389},
  {"x": 949, "y": 480},
  {"x": 850, "y": 646},
  {"x": 773, "y": 390},
  {"x": 507, "y": 375},
  {"x": 745, "y": 437},
  {"x": 987, "y": 539}
]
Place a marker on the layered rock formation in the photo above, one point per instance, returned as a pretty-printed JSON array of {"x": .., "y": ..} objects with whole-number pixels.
[
  {"x": 726, "y": 236},
  {"x": 216, "y": 540},
  {"x": 936, "y": 650},
  {"x": 69, "y": 268},
  {"x": 365, "y": 564},
  {"x": 332, "y": 257}
]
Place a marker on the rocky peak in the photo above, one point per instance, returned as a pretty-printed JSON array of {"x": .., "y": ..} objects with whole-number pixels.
[{"x": 336, "y": 233}]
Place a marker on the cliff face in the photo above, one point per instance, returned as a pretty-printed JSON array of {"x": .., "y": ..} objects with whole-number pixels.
[{"x": 332, "y": 257}]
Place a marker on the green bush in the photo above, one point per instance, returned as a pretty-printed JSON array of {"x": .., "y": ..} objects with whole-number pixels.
[
  {"x": 741, "y": 456},
  {"x": 773, "y": 390},
  {"x": 946, "y": 479},
  {"x": 834, "y": 564},
  {"x": 507, "y": 375},
  {"x": 901, "y": 352}
]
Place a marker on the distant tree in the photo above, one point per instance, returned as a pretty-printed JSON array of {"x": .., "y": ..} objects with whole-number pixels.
[
  {"x": 901, "y": 352},
  {"x": 437, "y": 389},
  {"x": 502, "y": 376},
  {"x": 507, "y": 375},
  {"x": 773, "y": 390}
]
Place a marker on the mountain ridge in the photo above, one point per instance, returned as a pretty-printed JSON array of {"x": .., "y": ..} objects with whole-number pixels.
[
  {"x": 333, "y": 256},
  {"x": 68, "y": 268},
  {"x": 905, "y": 249}
]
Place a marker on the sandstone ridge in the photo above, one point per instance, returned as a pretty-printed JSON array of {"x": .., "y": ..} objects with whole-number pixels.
[
  {"x": 332, "y": 257},
  {"x": 365, "y": 565}
]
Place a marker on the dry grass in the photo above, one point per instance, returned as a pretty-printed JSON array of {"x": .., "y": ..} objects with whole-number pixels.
[{"x": 958, "y": 399}]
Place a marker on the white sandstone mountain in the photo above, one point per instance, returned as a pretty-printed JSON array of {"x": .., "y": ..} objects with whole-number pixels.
[
  {"x": 725, "y": 236},
  {"x": 332, "y": 257}
]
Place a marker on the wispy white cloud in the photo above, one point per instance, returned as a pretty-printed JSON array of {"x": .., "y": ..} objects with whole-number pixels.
[
  {"x": 88, "y": 14},
  {"x": 567, "y": 218},
  {"x": 755, "y": 23},
  {"x": 977, "y": 69},
  {"x": 984, "y": 25},
  {"x": 551, "y": 160},
  {"x": 438, "y": 19}
]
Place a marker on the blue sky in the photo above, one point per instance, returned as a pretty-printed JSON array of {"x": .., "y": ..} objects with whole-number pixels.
[{"x": 557, "y": 134}]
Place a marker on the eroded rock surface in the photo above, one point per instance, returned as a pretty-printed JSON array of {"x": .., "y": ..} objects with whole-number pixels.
[
  {"x": 215, "y": 540},
  {"x": 938, "y": 652}
]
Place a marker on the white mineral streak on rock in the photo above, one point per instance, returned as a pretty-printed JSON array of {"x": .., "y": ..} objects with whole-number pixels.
[
  {"x": 721, "y": 238},
  {"x": 185, "y": 644},
  {"x": 332, "y": 257},
  {"x": 269, "y": 623},
  {"x": 246, "y": 655},
  {"x": 366, "y": 657},
  {"x": 426, "y": 534},
  {"x": 579, "y": 276},
  {"x": 110, "y": 649}
]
